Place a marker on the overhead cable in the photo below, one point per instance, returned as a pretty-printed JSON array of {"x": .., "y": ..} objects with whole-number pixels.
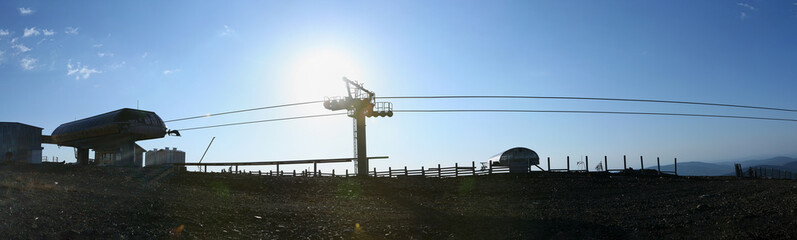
[
  {"x": 589, "y": 112},
  {"x": 261, "y": 121},
  {"x": 245, "y": 110},
  {"x": 592, "y": 98}
]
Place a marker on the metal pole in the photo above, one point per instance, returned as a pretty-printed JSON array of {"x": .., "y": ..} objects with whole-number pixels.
[
  {"x": 606, "y": 163},
  {"x": 568, "y": 163},
  {"x": 549, "y": 164},
  {"x": 375, "y": 172},
  {"x": 624, "y": 163},
  {"x": 456, "y": 169},
  {"x": 389, "y": 171},
  {"x": 315, "y": 167},
  {"x": 491, "y": 167},
  {"x": 439, "y": 171},
  {"x": 676, "y": 166},
  {"x": 206, "y": 150},
  {"x": 473, "y": 170}
]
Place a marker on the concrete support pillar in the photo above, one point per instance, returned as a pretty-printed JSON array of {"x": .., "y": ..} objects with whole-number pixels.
[
  {"x": 83, "y": 156},
  {"x": 127, "y": 151}
]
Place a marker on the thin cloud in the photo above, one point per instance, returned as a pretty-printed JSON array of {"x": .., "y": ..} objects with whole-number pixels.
[
  {"x": 20, "y": 47},
  {"x": 25, "y": 11},
  {"x": 103, "y": 54},
  {"x": 31, "y": 32},
  {"x": 80, "y": 71},
  {"x": 28, "y": 63},
  {"x": 227, "y": 31},
  {"x": 145, "y": 55},
  {"x": 118, "y": 65},
  {"x": 4, "y": 32},
  {"x": 71, "y": 30},
  {"x": 99, "y": 45},
  {"x": 745, "y": 5},
  {"x": 47, "y": 32},
  {"x": 743, "y": 15},
  {"x": 167, "y": 72}
]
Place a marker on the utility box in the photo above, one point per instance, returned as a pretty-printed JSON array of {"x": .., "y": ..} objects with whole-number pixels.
[
  {"x": 156, "y": 157},
  {"x": 20, "y": 143}
]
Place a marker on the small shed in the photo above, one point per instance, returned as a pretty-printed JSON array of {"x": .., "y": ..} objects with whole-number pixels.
[
  {"x": 518, "y": 159},
  {"x": 20, "y": 143}
]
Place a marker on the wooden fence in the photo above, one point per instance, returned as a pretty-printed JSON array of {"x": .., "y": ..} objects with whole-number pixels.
[
  {"x": 441, "y": 172},
  {"x": 762, "y": 172}
]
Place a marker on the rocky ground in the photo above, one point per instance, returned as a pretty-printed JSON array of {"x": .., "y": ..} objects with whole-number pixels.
[{"x": 73, "y": 202}]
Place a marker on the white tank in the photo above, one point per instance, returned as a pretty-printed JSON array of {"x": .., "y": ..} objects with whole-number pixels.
[{"x": 164, "y": 156}]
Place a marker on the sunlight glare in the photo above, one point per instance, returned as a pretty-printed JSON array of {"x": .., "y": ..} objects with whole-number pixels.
[{"x": 318, "y": 72}]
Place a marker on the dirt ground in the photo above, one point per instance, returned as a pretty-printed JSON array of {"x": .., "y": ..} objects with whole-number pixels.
[{"x": 74, "y": 202}]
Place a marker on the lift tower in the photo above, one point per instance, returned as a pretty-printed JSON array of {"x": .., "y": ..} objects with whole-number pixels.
[{"x": 359, "y": 104}]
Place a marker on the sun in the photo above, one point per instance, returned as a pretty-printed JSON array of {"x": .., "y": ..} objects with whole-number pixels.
[{"x": 318, "y": 72}]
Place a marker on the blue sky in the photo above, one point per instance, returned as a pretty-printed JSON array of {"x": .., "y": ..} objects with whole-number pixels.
[{"x": 66, "y": 60}]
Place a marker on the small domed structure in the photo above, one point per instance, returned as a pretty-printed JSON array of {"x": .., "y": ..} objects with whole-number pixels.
[{"x": 518, "y": 159}]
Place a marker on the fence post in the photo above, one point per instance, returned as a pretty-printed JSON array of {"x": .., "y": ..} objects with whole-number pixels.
[
  {"x": 390, "y": 172},
  {"x": 676, "y": 166},
  {"x": 294, "y": 172},
  {"x": 260, "y": 173},
  {"x": 333, "y": 172},
  {"x": 206, "y": 168},
  {"x": 347, "y": 172},
  {"x": 568, "y": 164},
  {"x": 473, "y": 170},
  {"x": 490, "y": 163},
  {"x": 549, "y": 164},
  {"x": 315, "y": 167},
  {"x": 375, "y": 172},
  {"x": 406, "y": 173},
  {"x": 456, "y": 169},
  {"x": 270, "y": 173},
  {"x": 641, "y": 163},
  {"x": 625, "y": 166},
  {"x": 658, "y": 165},
  {"x": 606, "y": 163},
  {"x": 439, "y": 171},
  {"x": 236, "y": 169},
  {"x": 423, "y": 172},
  {"x": 586, "y": 163}
]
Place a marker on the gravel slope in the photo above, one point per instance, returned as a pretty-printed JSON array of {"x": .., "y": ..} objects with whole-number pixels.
[{"x": 73, "y": 202}]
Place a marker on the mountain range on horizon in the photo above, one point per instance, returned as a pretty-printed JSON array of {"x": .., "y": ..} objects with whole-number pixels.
[{"x": 726, "y": 168}]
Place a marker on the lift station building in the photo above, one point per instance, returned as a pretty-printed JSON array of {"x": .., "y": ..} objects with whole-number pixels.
[
  {"x": 20, "y": 142},
  {"x": 111, "y": 135},
  {"x": 519, "y": 159}
]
